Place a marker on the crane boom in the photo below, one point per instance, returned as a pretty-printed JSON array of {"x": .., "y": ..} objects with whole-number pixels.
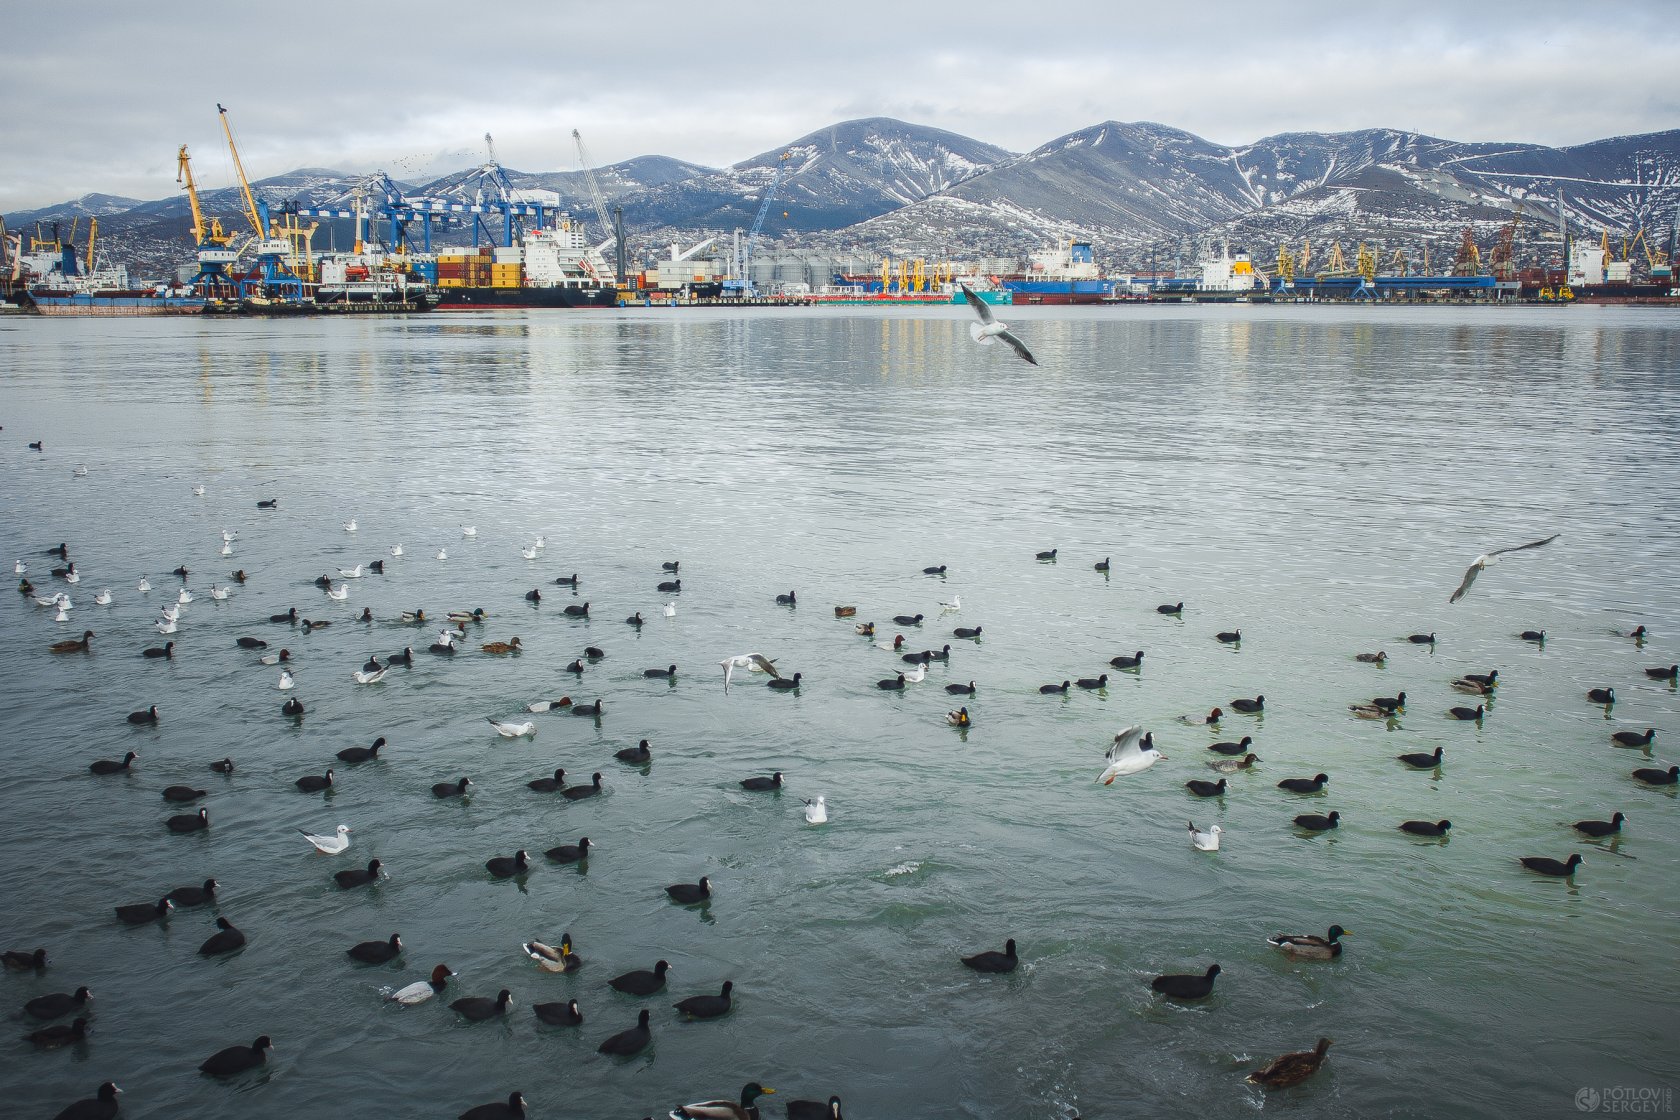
[
  {"x": 244, "y": 183},
  {"x": 744, "y": 261},
  {"x": 595, "y": 194}
]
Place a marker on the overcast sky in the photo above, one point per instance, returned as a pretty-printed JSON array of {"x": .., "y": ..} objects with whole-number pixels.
[{"x": 99, "y": 95}]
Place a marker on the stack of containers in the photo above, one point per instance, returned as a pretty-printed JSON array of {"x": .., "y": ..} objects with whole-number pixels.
[
  {"x": 505, "y": 267},
  {"x": 463, "y": 268}
]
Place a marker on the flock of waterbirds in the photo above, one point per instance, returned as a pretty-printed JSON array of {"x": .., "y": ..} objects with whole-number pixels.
[{"x": 1132, "y": 753}]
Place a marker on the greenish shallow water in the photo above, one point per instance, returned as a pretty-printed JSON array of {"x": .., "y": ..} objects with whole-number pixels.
[{"x": 1317, "y": 477}]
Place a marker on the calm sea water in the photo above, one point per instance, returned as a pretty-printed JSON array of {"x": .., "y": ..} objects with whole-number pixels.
[{"x": 1317, "y": 477}]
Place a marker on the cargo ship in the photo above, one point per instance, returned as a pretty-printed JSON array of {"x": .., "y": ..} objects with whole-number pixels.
[
  {"x": 49, "y": 279},
  {"x": 1066, "y": 274},
  {"x": 549, "y": 268}
]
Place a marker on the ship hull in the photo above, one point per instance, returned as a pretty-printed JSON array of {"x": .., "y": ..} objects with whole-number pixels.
[
  {"x": 82, "y": 304},
  {"x": 1058, "y": 291},
  {"x": 495, "y": 299}
]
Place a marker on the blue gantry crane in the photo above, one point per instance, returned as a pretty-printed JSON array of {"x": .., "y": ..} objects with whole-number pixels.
[{"x": 740, "y": 284}]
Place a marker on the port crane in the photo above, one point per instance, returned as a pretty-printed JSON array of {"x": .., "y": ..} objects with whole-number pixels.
[
  {"x": 274, "y": 254},
  {"x": 740, "y": 284},
  {"x": 595, "y": 194},
  {"x": 214, "y": 245}
]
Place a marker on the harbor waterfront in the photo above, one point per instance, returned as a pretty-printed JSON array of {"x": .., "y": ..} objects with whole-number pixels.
[{"x": 1315, "y": 477}]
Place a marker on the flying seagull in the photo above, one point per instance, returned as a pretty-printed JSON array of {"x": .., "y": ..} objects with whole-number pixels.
[
  {"x": 753, "y": 661},
  {"x": 1485, "y": 559},
  {"x": 988, "y": 328}
]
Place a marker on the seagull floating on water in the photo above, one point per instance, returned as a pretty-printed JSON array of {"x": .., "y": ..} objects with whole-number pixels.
[
  {"x": 509, "y": 730},
  {"x": 198, "y": 491},
  {"x": 988, "y": 328},
  {"x": 374, "y": 676},
  {"x": 469, "y": 531},
  {"x": 1207, "y": 841},
  {"x": 443, "y": 554},
  {"x": 342, "y": 591},
  {"x": 396, "y": 550},
  {"x": 816, "y": 812},
  {"x": 103, "y": 598},
  {"x": 286, "y": 681},
  {"x": 1487, "y": 558},
  {"x": 330, "y": 845},
  {"x": 144, "y": 586},
  {"x": 670, "y": 610},
  {"x": 350, "y": 525}
]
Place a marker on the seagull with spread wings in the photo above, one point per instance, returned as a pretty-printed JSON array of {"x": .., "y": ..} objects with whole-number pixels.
[
  {"x": 1485, "y": 559},
  {"x": 756, "y": 662},
  {"x": 989, "y": 328}
]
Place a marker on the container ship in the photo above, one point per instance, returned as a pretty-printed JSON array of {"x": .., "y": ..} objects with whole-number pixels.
[
  {"x": 1066, "y": 274},
  {"x": 550, "y": 267},
  {"x": 50, "y": 279}
]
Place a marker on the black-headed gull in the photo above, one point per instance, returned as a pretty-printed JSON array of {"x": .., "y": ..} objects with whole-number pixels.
[
  {"x": 816, "y": 812},
  {"x": 754, "y": 662},
  {"x": 1205, "y": 841},
  {"x": 989, "y": 328},
  {"x": 1133, "y": 752},
  {"x": 1487, "y": 558},
  {"x": 510, "y": 730},
  {"x": 330, "y": 845}
]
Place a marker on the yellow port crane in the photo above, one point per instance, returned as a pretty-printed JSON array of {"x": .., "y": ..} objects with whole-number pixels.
[
  {"x": 276, "y": 249},
  {"x": 1469, "y": 259},
  {"x": 203, "y": 234},
  {"x": 93, "y": 235}
]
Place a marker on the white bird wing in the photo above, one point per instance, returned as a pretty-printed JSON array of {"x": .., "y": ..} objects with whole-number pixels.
[
  {"x": 728, "y": 672},
  {"x": 1126, "y": 742},
  {"x": 765, "y": 665},
  {"x": 980, "y": 306},
  {"x": 1018, "y": 346}
]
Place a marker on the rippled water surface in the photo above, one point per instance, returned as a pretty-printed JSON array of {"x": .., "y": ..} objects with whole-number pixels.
[{"x": 1316, "y": 477}]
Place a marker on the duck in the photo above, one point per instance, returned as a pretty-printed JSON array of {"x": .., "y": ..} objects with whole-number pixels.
[
  {"x": 666, "y": 673},
  {"x": 225, "y": 940},
  {"x": 670, "y": 565},
  {"x": 1390, "y": 703},
  {"x": 189, "y": 822},
  {"x": 991, "y": 960},
  {"x": 1474, "y": 688},
  {"x": 1050, "y": 555},
  {"x": 222, "y": 766},
  {"x": 1638, "y": 634},
  {"x": 315, "y": 783},
  {"x": 788, "y": 600},
  {"x": 356, "y": 755},
  {"x": 566, "y": 581},
  {"x": 1660, "y": 674},
  {"x": 642, "y": 981},
  {"x": 1654, "y": 777},
  {"x": 506, "y": 867},
  {"x": 576, "y": 610},
  {"x": 1229, "y": 637},
  {"x": 570, "y": 853},
  {"x": 451, "y": 789},
  {"x": 1422, "y": 639},
  {"x": 1123, "y": 662},
  {"x": 1465, "y": 713},
  {"x": 150, "y": 715},
  {"x": 422, "y": 990},
  {"x": 1206, "y": 789},
  {"x": 19, "y": 960},
  {"x": 893, "y": 646},
  {"x": 1133, "y": 752},
  {"x": 690, "y": 893},
  {"x": 1600, "y": 828},
  {"x": 774, "y": 781},
  {"x": 1232, "y": 765},
  {"x": 960, "y": 689},
  {"x": 1290, "y": 1069},
  {"x": 958, "y": 718},
  {"x": 635, "y": 620},
  {"x": 100, "y": 1107},
  {"x": 908, "y": 619},
  {"x": 510, "y": 646},
  {"x": 77, "y": 645},
  {"x": 1605, "y": 696},
  {"x": 1243, "y": 704},
  {"x": 629, "y": 1042},
  {"x": 1204, "y": 840},
  {"x": 414, "y": 616},
  {"x": 967, "y": 631},
  {"x": 723, "y": 1108},
  {"x": 333, "y": 845},
  {"x": 1546, "y": 866},
  {"x": 181, "y": 571},
  {"x": 1422, "y": 761},
  {"x": 237, "y": 1059},
  {"x": 376, "y": 952},
  {"x": 669, "y": 586},
  {"x": 1208, "y": 720},
  {"x": 1304, "y": 785},
  {"x": 182, "y": 794},
  {"x": 1489, "y": 678},
  {"x": 51, "y": 1038},
  {"x": 239, "y": 576},
  {"x": 707, "y": 1007},
  {"x": 1313, "y": 822},
  {"x": 548, "y": 785},
  {"x": 193, "y": 896},
  {"x": 1170, "y": 608},
  {"x": 1377, "y": 658},
  {"x": 405, "y": 658},
  {"x": 57, "y": 1004},
  {"x": 1093, "y": 682},
  {"x": 1533, "y": 636},
  {"x": 816, "y": 812},
  {"x": 1186, "y": 986},
  {"x": 638, "y": 754},
  {"x": 1426, "y": 828},
  {"x": 507, "y": 729},
  {"x": 111, "y": 766},
  {"x": 892, "y": 684},
  {"x": 578, "y": 793},
  {"x": 1232, "y": 748},
  {"x": 1052, "y": 689},
  {"x": 250, "y": 643},
  {"x": 552, "y": 958},
  {"x": 352, "y": 877},
  {"x": 275, "y": 658},
  {"x": 575, "y": 667},
  {"x": 785, "y": 684},
  {"x": 289, "y": 616},
  {"x": 559, "y": 1014},
  {"x": 443, "y": 648},
  {"x": 592, "y": 710}
]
